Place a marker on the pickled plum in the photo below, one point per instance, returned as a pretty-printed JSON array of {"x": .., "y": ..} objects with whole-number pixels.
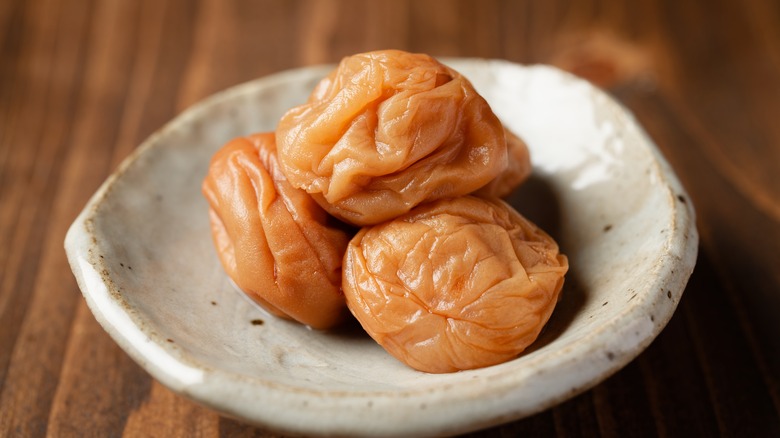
[
  {"x": 389, "y": 130},
  {"x": 457, "y": 284},
  {"x": 268, "y": 233}
]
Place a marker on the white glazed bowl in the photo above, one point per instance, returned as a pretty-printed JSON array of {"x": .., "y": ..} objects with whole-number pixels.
[{"x": 142, "y": 254}]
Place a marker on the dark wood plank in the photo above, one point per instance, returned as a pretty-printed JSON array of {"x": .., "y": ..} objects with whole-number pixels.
[
  {"x": 25, "y": 97},
  {"x": 99, "y": 384},
  {"x": 479, "y": 30},
  {"x": 232, "y": 428},
  {"x": 15, "y": 169},
  {"x": 38, "y": 353},
  {"x": 83, "y": 83},
  {"x": 677, "y": 391},
  {"x": 728, "y": 236},
  {"x": 574, "y": 418},
  {"x": 622, "y": 407},
  {"x": 232, "y": 45},
  {"x": 439, "y": 36},
  {"x": 387, "y": 24},
  {"x": 35, "y": 166},
  {"x": 717, "y": 320},
  {"x": 733, "y": 378},
  {"x": 714, "y": 125},
  {"x": 170, "y": 415}
]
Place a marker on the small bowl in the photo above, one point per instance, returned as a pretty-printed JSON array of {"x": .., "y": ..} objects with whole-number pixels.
[{"x": 142, "y": 254}]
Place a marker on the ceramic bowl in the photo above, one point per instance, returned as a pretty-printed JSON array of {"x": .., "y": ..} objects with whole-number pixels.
[{"x": 142, "y": 254}]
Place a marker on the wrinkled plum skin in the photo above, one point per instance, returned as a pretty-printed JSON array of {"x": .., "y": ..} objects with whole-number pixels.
[
  {"x": 267, "y": 233},
  {"x": 387, "y": 131},
  {"x": 453, "y": 285}
]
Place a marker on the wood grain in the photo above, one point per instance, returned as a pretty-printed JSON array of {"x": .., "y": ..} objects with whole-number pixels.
[{"x": 83, "y": 82}]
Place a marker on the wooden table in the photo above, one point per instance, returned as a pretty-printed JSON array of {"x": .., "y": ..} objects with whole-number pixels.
[{"x": 82, "y": 83}]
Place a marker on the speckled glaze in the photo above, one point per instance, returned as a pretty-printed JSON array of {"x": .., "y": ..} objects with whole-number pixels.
[{"x": 142, "y": 254}]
